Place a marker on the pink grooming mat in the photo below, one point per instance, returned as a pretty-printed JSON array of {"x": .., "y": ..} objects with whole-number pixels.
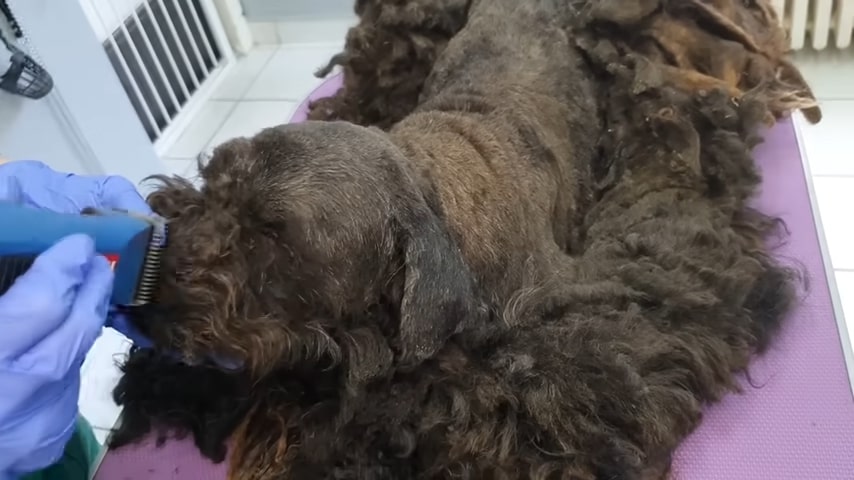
[
  {"x": 329, "y": 87},
  {"x": 796, "y": 424}
]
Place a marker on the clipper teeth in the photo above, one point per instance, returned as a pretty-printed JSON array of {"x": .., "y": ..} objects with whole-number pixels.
[{"x": 151, "y": 269}]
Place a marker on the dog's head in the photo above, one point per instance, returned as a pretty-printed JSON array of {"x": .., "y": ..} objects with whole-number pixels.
[{"x": 294, "y": 243}]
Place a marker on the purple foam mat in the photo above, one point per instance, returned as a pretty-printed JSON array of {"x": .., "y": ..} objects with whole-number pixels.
[
  {"x": 326, "y": 89},
  {"x": 795, "y": 423}
]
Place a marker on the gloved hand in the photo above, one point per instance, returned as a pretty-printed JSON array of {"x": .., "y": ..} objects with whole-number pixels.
[
  {"x": 52, "y": 316},
  {"x": 49, "y": 320},
  {"x": 36, "y": 185}
]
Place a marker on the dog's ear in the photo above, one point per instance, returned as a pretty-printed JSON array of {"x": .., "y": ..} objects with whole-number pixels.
[{"x": 438, "y": 293}]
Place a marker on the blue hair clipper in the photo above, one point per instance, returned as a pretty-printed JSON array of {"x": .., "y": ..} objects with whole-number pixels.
[{"x": 133, "y": 244}]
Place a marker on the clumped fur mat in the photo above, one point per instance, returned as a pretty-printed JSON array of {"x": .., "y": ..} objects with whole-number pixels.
[
  {"x": 596, "y": 370},
  {"x": 699, "y": 45},
  {"x": 706, "y": 44},
  {"x": 387, "y": 57}
]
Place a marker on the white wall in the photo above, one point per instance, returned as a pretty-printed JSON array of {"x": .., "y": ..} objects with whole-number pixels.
[
  {"x": 89, "y": 111},
  {"x": 106, "y": 15},
  {"x": 278, "y": 10},
  {"x": 29, "y": 130}
]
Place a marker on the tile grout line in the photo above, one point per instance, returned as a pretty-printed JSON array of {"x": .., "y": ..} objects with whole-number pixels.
[
  {"x": 218, "y": 128},
  {"x": 242, "y": 94},
  {"x": 309, "y": 45},
  {"x": 215, "y": 130},
  {"x": 258, "y": 75},
  {"x": 258, "y": 100}
]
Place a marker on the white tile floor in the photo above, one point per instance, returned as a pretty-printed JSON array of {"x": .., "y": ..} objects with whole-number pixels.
[
  {"x": 264, "y": 88},
  {"x": 829, "y": 147}
]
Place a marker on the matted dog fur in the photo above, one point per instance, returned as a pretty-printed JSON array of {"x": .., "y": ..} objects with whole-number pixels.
[
  {"x": 387, "y": 58},
  {"x": 478, "y": 293},
  {"x": 475, "y": 195},
  {"x": 728, "y": 44}
]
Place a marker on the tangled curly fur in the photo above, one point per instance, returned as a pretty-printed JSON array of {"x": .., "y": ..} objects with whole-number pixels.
[
  {"x": 597, "y": 374},
  {"x": 700, "y": 45},
  {"x": 303, "y": 228},
  {"x": 593, "y": 368},
  {"x": 387, "y": 58}
]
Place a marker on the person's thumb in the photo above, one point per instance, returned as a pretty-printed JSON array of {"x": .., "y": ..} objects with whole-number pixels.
[{"x": 41, "y": 299}]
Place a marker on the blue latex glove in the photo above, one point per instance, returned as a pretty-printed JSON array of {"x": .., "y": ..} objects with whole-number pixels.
[
  {"x": 52, "y": 316},
  {"x": 49, "y": 320},
  {"x": 36, "y": 185}
]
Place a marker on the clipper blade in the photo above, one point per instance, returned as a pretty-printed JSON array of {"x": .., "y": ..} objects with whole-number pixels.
[{"x": 150, "y": 277}]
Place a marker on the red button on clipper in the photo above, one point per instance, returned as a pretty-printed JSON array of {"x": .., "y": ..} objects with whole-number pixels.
[{"x": 113, "y": 259}]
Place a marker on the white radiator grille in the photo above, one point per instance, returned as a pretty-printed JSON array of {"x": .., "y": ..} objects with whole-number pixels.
[
  {"x": 818, "y": 24},
  {"x": 163, "y": 51}
]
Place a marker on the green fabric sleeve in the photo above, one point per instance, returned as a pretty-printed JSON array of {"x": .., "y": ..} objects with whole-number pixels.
[{"x": 81, "y": 452}]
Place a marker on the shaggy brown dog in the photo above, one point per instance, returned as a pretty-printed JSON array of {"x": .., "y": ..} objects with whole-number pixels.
[
  {"x": 706, "y": 44},
  {"x": 596, "y": 375},
  {"x": 290, "y": 259},
  {"x": 442, "y": 219},
  {"x": 387, "y": 58}
]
